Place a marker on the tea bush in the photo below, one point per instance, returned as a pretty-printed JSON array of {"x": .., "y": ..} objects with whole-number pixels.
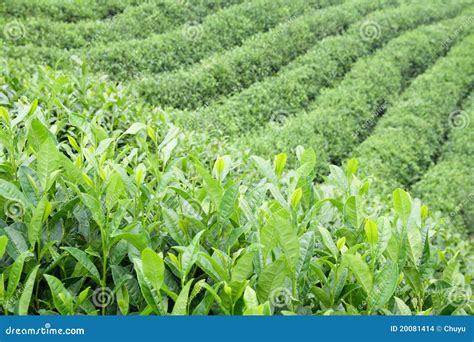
[
  {"x": 448, "y": 186},
  {"x": 246, "y": 202},
  {"x": 298, "y": 84},
  {"x": 343, "y": 116},
  {"x": 260, "y": 56},
  {"x": 155, "y": 17}
]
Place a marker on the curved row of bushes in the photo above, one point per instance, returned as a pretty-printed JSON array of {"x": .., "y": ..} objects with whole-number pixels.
[
  {"x": 259, "y": 57},
  {"x": 408, "y": 137},
  {"x": 298, "y": 84},
  {"x": 344, "y": 116},
  {"x": 449, "y": 185},
  {"x": 69, "y": 11},
  {"x": 154, "y": 17},
  {"x": 192, "y": 42}
]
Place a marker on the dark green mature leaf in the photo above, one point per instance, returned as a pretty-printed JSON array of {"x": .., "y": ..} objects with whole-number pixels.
[
  {"x": 84, "y": 260},
  {"x": 385, "y": 283},
  {"x": 228, "y": 203},
  {"x": 15, "y": 273},
  {"x": 25, "y": 297},
  {"x": 272, "y": 277},
  {"x": 190, "y": 255},
  {"x": 62, "y": 298}
]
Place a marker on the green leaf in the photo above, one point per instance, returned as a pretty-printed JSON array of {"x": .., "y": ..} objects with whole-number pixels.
[
  {"x": 322, "y": 296},
  {"x": 279, "y": 163},
  {"x": 250, "y": 298},
  {"x": 243, "y": 268},
  {"x": 180, "y": 307},
  {"x": 11, "y": 192},
  {"x": 288, "y": 239},
  {"x": 328, "y": 242},
  {"x": 401, "y": 308},
  {"x": 385, "y": 283},
  {"x": 272, "y": 277},
  {"x": 360, "y": 270},
  {"x": 139, "y": 241},
  {"x": 190, "y": 255},
  {"x": 135, "y": 128},
  {"x": 265, "y": 168},
  {"x": 351, "y": 212},
  {"x": 171, "y": 221},
  {"x": 94, "y": 207},
  {"x": 402, "y": 204},
  {"x": 114, "y": 191},
  {"x": 212, "y": 186},
  {"x": 47, "y": 162},
  {"x": 25, "y": 297},
  {"x": 145, "y": 290},
  {"x": 15, "y": 273},
  {"x": 3, "y": 245},
  {"x": 371, "y": 231},
  {"x": 228, "y": 203},
  {"x": 384, "y": 234},
  {"x": 36, "y": 223},
  {"x": 84, "y": 260},
  {"x": 62, "y": 298},
  {"x": 306, "y": 253},
  {"x": 209, "y": 265},
  {"x": 307, "y": 163},
  {"x": 37, "y": 134},
  {"x": 153, "y": 268}
]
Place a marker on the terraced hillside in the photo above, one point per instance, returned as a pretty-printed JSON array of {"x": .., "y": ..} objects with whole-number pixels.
[{"x": 237, "y": 157}]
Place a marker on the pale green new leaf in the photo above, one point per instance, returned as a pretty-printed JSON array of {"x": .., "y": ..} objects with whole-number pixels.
[
  {"x": 384, "y": 286},
  {"x": 402, "y": 204}
]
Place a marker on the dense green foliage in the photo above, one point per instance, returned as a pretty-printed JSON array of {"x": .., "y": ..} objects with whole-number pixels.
[
  {"x": 448, "y": 186},
  {"x": 202, "y": 162},
  {"x": 259, "y": 57},
  {"x": 155, "y": 17}
]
